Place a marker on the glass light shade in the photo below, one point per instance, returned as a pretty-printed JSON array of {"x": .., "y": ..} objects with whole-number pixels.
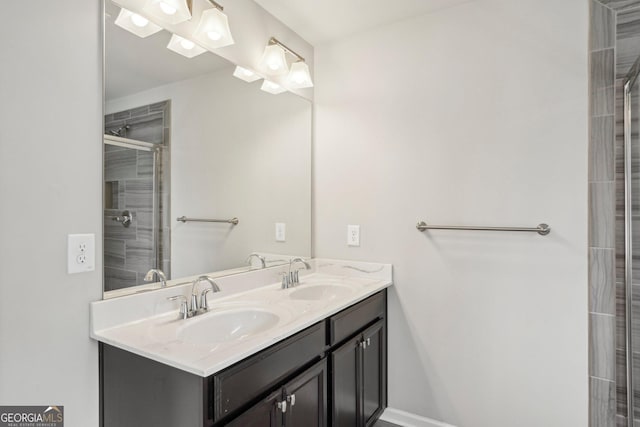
[
  {"x": 136, "y": 24},
  {"x": 245, "y": 74},
  {"x": 213, "y": 29},
  {"x": 184, "y": 47},
  {"x": 169, "y": 11},
  {"x": 299, "y": 76},
  {"x": 273, "y": 60},
  {"x": 272, "y": 87}
]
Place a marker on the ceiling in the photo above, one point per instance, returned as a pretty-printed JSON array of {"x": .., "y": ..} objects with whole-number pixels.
[{"x": 327, "y": 20}]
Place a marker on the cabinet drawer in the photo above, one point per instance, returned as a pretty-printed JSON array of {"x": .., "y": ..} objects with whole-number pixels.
[
  {"x": 238, "y": 385},
  {"x": 353, "y": 319}
]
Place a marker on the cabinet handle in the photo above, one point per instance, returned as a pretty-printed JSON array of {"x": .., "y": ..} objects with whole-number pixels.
[
  {"x": 363, "y": 344},
  {"x": 292, "y": 399},
  {"x": 283, "y": 406},
  {"x": 368, "y": 342}
]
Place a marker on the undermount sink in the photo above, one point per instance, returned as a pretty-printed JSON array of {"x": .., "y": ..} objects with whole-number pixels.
[
  {"x": 311, "y": 292},
  {"x": 227, "y": 325}
]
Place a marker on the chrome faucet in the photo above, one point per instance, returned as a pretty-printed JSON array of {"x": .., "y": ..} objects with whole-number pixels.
[
  {"x": 195, "y": 309},
  {"x": 263, "y": 262},
  {"x": 156, "y": 271},
  {"x": 293, "y": 278}
]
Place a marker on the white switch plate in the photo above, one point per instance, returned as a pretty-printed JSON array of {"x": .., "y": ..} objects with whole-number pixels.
[
  {"x": 281, "y": 228},
  {"x": 81, "y": 253},
  {"x": 353, "y": 235}
]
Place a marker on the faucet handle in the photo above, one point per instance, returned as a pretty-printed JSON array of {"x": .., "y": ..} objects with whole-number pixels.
[
  {"x": 286, "y": 280},
  {"x": 184, "y": 310},
  {"x": 203, "y": 299}
]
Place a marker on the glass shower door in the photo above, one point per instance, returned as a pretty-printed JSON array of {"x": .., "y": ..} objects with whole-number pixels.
[{"x": 130, "y": 211}]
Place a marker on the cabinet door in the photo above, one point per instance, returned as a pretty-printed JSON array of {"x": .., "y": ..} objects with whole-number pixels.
[
  {"x": 374, "y": 387},
  {"x": 345, "y": 380},
  {"x": 264, "y": 414},
  {"x": 306, "y": 396}
]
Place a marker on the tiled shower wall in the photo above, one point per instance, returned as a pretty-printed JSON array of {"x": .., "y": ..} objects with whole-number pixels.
[
  {"x": 613, "y": 45},
  {"x": 129, "y": 177}
]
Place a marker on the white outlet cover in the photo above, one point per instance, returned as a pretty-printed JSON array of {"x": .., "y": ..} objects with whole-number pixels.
[
  {"x": 353, "y": 235},
  {"x": 281, "y": 228},
  {"x": 81, "y": 253}
]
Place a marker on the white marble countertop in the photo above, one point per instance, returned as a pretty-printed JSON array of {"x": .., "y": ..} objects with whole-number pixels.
[{"x": 147, "y": 324}]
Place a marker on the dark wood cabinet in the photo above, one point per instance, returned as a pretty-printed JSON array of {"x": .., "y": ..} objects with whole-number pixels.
[
  {"x": 358, "y": 372},
  {"x": 301, "y": 402},
  {"x": 332, "y": 373}
]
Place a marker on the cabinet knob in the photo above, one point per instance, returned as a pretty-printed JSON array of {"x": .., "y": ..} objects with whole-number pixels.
[
  {"x": 368, "y": 342},
  {"x": 292, "y": 399},
  {"x": 283, "y": 406}
]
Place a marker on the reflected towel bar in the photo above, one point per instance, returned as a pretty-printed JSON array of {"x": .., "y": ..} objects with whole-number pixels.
[
  {"x": 233, "y": 221},
  {"x": 542, "y": 229}
]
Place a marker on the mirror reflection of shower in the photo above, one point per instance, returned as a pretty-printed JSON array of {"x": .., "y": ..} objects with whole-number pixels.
[{"x": 136, "y": 201}]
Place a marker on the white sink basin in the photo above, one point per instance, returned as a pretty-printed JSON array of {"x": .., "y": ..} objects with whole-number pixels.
[
  {"x": 227, "y": 325},
  {"x": 318, "y": 292}
]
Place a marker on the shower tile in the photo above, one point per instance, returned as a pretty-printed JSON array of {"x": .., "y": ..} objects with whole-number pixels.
[
  {"x": 117, "y": 279},
  {"x": 628, "y": 51},
  {"x": 601, "y": 212},
  {"x": 602, "y": 68},
  {"x": 620, "y": 4},
  {"x": 122, "y": 115},
  {"x": 114, "y": 253},
  {"x": 602, "y": 281},
  {"x": 147, "y": 128},
  {"x": 628, "y": 24},
  {"x": 602, "y": 149},
  {"x": 140, "y": 257},
  {"x": 602, "y": 28},
  {"x": 602, "y": 360},
  {"x": 140, "y": 111},
  {"x": 603, "y": 403},
  {"x": 139, "y": 193},
  {"x": 602, "y": 102},
  {"x": 120, "y": 165},
  {"x": 145, "y": 164}
]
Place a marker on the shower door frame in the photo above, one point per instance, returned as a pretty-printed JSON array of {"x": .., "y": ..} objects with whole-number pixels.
[
  {"x": 629, "y": 83},
  {"x": 156, "y": 149}
]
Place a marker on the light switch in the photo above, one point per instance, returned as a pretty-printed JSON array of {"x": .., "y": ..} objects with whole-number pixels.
[{"x": 81, "y": 253}]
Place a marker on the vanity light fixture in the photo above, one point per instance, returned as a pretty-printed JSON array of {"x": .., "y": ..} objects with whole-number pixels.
[
  {"x": 136, "y": 24},
  {"x": 169, "y": 11},
  {"x": 184, "y": 47},
  {"x": 299, "y": 76},
  {"x": 245, "y": 74},
  {"x": 213, "y": 29},
  {"x": 271, "y": 87},
  {"x": 274, "y": 61}
]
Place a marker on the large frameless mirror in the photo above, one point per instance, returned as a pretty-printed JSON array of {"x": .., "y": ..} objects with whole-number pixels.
[{"x": 185, "y": 139}]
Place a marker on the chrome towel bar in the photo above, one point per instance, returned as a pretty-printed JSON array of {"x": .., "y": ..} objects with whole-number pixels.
[
  {"x": 233, "y": 221},
  {"x": 542, "y": 229}
]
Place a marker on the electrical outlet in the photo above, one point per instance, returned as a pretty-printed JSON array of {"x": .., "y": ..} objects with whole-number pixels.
[
  {"x": 81, "y": 253},
  {"x": 353, "y": 235},
  {"x": 281, "y": 228}
]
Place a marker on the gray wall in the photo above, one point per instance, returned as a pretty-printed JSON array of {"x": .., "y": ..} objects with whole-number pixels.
[
  {"x": 50, "y": 180},
  {"x": 476, "y": 114}
]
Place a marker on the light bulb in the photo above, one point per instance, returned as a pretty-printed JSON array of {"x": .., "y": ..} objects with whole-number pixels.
[
  {"x": 214, "y": 35},
  {"x": 167, "y": 9},
  {"x": 139, "y": 21},
  {"x": 187, "y": 44}
]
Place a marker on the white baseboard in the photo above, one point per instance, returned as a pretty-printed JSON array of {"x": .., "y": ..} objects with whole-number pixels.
[{"x": 407, "y": 419}]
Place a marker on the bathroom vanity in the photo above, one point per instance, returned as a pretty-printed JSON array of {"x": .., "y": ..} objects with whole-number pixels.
[{"x": 320, "y": 360}]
